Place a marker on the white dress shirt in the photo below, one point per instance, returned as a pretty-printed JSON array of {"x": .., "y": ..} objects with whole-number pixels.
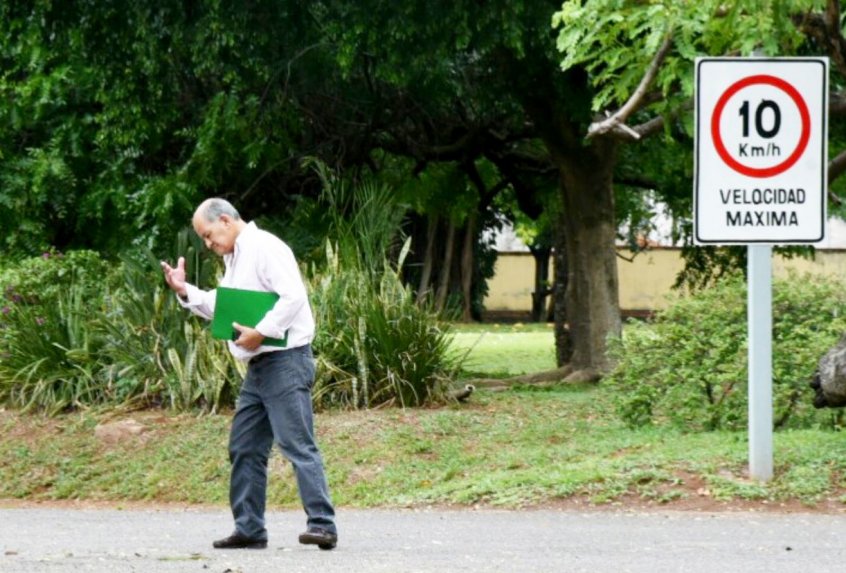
[{"x": 261, "y": 261}]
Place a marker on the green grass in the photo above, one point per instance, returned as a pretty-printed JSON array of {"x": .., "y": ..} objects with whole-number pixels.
[
  {"x": 503, "y": 350},
  {"x": 516, "y": 448}
]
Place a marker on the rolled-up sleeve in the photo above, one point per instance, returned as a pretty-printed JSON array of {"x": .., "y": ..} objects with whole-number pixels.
[{"x": 200, "y": 302}]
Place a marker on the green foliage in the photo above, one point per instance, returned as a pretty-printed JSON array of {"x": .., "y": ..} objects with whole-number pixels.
[
  {"x": 49, "y": 354},
  {"x": 689, "y": 367},
  {"x": 363, "y": 28},
  {"x": 121, "y": 116},
  {"x": 375, "y": 345},
  {"x": 156, "y": 355},
  {"x": 615, "y": 40},
  {"x": 40, "y": 280},
  {"x": 76, "y": 333}
]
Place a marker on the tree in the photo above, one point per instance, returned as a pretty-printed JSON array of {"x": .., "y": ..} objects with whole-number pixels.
[
  {"x": 494, "y": 71},
  {"x": 640, "y": 59},
  {"x": 189, "y": 100},
  {"x": 121, "y": 117}
]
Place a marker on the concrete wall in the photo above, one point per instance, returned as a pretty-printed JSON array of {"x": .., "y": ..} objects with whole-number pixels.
[
  {"x": 510, "y": 288},
  {"x": 645, "y": 282}
]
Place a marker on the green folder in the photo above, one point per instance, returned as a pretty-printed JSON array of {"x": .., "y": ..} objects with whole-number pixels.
[{"x": 246, "y": 307}]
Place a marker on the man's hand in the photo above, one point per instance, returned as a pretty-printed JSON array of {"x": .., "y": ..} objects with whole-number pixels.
[
  {"x": 175, "y": 277},
  {"x": 249, "y": 338}
]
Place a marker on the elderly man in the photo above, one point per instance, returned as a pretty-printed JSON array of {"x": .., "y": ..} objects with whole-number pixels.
[{"x": 275, "y": 400}]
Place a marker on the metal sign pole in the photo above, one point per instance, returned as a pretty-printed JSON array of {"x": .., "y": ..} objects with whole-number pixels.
[
  {"x": 760, "y": 168},
  {"x": 760, "y": 323}
]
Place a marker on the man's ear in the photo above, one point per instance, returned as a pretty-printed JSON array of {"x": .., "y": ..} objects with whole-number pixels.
[{"x": 225, "y": 219}]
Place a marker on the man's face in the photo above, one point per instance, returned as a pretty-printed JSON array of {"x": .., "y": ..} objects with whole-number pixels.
[{"x": 218, "y": 235}]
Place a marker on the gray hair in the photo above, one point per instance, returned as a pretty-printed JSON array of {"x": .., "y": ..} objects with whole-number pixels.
[{"x": 212, "y": 209}]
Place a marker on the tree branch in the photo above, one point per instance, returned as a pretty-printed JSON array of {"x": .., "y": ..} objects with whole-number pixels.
[
  {"x": 469, "y": 168},
  {"x": 836, "y": 168},
  {"x": 825, "y": 29},
  {"x": 639, "y": 182},
  {"x": 466, "y": 145},
  {"x": 627, "y": 259},
  {"x": 650, "y": 127},
  {"x": 837, "y": 103},
  {"x": 617, "y": 120},
  {"x": 836, "y": 106},
  {"x": 837, "y": 42}
]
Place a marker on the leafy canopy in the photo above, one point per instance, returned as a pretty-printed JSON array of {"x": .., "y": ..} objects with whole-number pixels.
[{"x": 615, "y": 40}]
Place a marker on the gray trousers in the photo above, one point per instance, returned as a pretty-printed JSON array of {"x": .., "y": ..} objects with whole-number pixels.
[{"x": 275, "y": 406}]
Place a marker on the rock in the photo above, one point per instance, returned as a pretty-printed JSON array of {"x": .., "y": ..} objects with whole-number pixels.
[
  {"x": 829, "y": 381},
  {"x": 120, "y": 431}
]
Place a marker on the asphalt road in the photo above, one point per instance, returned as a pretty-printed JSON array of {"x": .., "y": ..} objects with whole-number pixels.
[{"x": 114, "y": 541}]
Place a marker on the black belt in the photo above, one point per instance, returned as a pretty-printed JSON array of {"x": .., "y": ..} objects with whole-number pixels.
[{"x": 259, "y": 357}]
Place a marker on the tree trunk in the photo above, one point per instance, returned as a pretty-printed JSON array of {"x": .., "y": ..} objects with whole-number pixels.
[
  {"x": 593, "y": 308},
  {"x": 563, "y": 340},
  {"x": 428, "y": 259},
  {"x": 443, "y": 282},
  {"x": 541, "y": 291},
  {"x": 585, "y": 168},
  {"x": 467, "y": 267}
]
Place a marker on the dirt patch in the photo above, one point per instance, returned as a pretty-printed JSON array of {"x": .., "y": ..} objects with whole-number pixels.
[
  {"x": 691, "y": 502},
  {"x": 694, "y": 503},
  {"x": 102, "y": 504},
  {"x": 690, "y": 492},
  {"x": 27, "y": 430}
]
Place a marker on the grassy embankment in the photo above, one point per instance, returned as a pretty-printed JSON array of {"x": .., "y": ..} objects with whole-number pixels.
[{"x": 515, "y": 448}]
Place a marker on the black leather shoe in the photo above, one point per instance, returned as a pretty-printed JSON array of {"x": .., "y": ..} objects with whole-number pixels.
[
  {"x": 238, "y": 541},
  {"x": 322, "y": 538}
]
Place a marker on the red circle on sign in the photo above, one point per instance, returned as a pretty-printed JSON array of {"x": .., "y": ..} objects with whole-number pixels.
[{"x": 803, "y": 138}]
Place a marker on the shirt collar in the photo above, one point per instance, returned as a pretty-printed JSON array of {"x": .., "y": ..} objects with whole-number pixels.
[
  {"x": 246, "y": 232},
  {"x": 243, "y": 236}
]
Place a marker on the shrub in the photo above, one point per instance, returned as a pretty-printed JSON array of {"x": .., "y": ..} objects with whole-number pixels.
[
  {"x": 40, "y": 280},
  {"x": 374, "y": 344},
  {"x": 688, "y": 367},
  {"x": 156, "y": 354},
  {"x": 78, "y": 331},
  {"x": 48, "y": 352},
  {"x": 68, "y": 339}
]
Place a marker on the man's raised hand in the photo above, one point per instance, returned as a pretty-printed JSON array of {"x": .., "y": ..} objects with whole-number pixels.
[{"x": 175, "y": 277}]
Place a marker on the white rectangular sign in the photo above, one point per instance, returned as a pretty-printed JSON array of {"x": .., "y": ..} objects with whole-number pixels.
[{"x": 761, "y": 160}]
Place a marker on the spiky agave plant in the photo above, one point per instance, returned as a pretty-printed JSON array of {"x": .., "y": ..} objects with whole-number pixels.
[
  {"x": 52, "y": 360},
  {"x": 375, "y": 345}
]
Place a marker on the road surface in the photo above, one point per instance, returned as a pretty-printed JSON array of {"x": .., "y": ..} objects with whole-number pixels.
[{"x": 34, "y": 540}]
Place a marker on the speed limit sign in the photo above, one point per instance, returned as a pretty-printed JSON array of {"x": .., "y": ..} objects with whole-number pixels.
[{"x": 761, "y": 156}]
